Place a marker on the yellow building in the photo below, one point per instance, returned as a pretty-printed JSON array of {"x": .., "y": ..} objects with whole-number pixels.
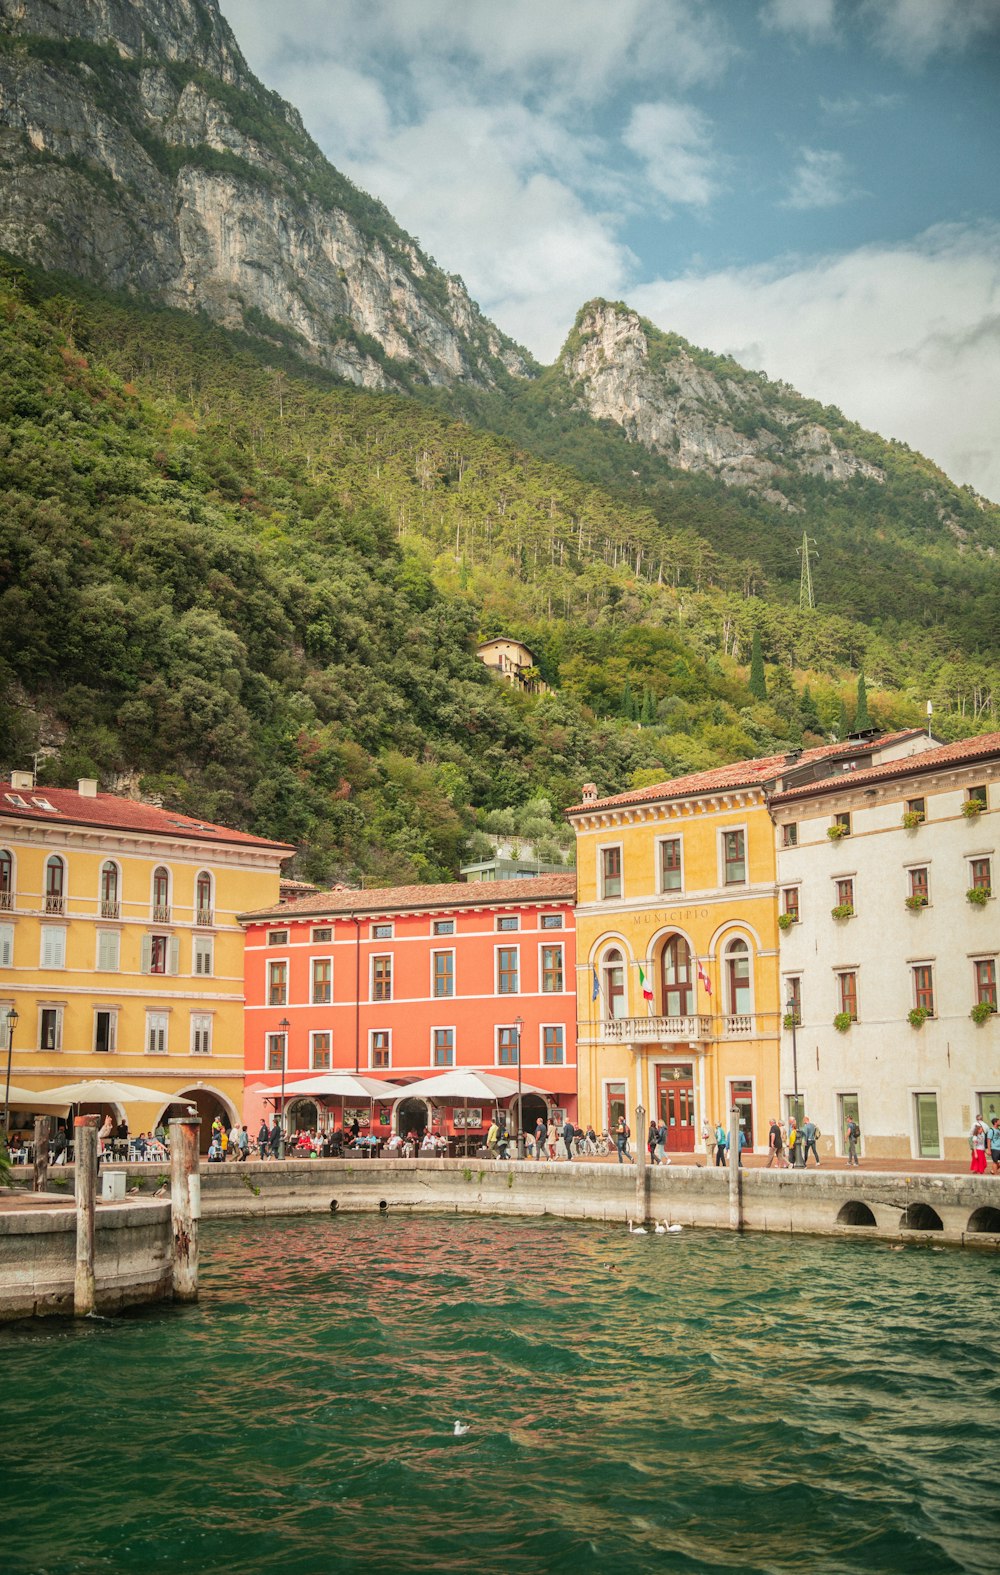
[{"x": 119, "y": 946}]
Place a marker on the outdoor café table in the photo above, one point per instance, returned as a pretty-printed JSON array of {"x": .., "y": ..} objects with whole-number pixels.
[{"x": 366, "y": 1147}]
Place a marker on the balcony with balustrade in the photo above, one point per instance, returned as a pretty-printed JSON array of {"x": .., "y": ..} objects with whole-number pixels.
[
  {"x": 55, "y": 902},
  {"x": 110, "y": 909},
  {"x": 6, "y": 900},
  {"x": 161, "y": 913},
  {"x": 204, "y": 917},
  {"x": 657, "y": 1030}
]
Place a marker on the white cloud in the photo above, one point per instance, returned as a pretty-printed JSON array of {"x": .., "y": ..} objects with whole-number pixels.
[
  {"x": 905, "y": 339},
  {"x": 911, "y": 31},
  {"x": 673, "y": 142},
  {"x": 821, "y": 180},
  {"x": 810, "y": 19}
]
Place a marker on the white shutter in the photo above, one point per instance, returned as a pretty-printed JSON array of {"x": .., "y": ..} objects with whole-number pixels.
[
  {"x": 146, "y": 961},
  {"x": 6, "y": 946},
  {"x": 174, "y": 954}
]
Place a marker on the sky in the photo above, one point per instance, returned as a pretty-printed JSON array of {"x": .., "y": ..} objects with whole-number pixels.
[{"x": 811, "y": 186}]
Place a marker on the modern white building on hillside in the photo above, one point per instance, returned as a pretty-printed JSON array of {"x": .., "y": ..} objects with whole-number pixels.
[{"x": 889, "y": 946}]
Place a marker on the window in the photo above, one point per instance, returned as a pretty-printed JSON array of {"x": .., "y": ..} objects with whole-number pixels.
[
  {"x": 611, "y": 872},
  {"x": 53, "y": 946},
  {"x": 923, "y": 988},
  {"x": 507, "y": 1046},
  {"x": 793, "y": 997},
  {"x": 320, "y": 1051},
  {"x": 275, "y": 1052},
  {"x": 50, "y": 1028},
  {"x": 108, "y": 951},
  {"x": 790, "y": 902},
  {"x": 157, "y": 1033},
  {"x": 55, "y": 885},
  {"x": 443, "y": 974},
  {"x": 6, "y": 946},
  {"x": 161, "y": 895},
  {"x": 203, "y": 955},
  {"x": 916, "y": 806},
  {"x": 845, "y": 893},
  {"x": 553, "y": 1044},
  {"x": 615, "y": 994},
  {"x": 105, "y": 1031},
  {"x": 976, "y": 795},
  {"x": 847, "y": 994},
  {"x": 920, "y": 884},
  {"x": 928, "y": 1130},
  {"x": 6, "y": 879},
  {"x": 740, "y": 998},
  {"x": 277, "y": 983},
  {"x": 322, "y": 981},
  {"x": 110, "y": 905},
  {"x": 552, "y": 921},
  {"x": 277, "y": 938},
  {"x": 160, "y": 954},
  {"x": 443, "y": 1047},
  {"x": 322, "y": 934},
  {"x": 507, "y": 961},
  {"x": 201, "y": 1034},
  {"x": 552, "y": 969},
  {"x": 735, "y": 857},
  {"x": 790, "y": 835},
  {"x": 444, "y": 926},
  {"x": 980, "y": 874},
  {"x": 381, "y": 978},
  {"x": 675, "y": 971},
  {"x": 381, "y": 932},
  {"x": 508, "y": 921},
  {"x": 670, "y": 864},
  {"x": 986, "y": 981},
  {"x": 203, "y": 898},
  {"x": 843, "y": 822},
  {"x": 379, "y": 1049}
]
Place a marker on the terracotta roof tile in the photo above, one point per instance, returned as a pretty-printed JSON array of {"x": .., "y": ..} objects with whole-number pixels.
[
  {"x": 965, "y": 751},
  {"x": 450, "y": 894},
  {"x": 113, "y": 813},
  {"x": 741, "y": 773}
]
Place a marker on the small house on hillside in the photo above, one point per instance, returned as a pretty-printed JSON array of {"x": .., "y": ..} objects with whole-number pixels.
[{"x": 512, "y": 661}]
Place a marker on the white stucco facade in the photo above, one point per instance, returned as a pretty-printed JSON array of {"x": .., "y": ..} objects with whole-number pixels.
[{"x": 914, "y": 1090}]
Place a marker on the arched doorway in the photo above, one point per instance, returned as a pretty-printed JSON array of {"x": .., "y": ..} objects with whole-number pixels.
[
  {"x": 302, "y": 1113},
  {"x": 411, "y": 1116},
  {"x": 534, "y": 1106},
  {"x": 208, "y": 1105}
]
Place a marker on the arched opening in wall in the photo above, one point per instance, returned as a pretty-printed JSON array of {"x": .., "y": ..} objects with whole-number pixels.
[
  {"x": 984, "y": 1221},
  {"x": 411, "y": 1116},
  {"x": 676, "y": 988},
  {"x": 920, "y": 1216},
  {"x": 208, "y": 1104},
  {"x": 302, "y": 1114},
  {"x": 856, "y": 1213},
  {"x": 534, "y": 1106}
]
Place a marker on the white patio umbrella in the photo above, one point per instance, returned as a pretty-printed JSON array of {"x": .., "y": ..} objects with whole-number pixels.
[
  {"x": 336, "y": 1085},
  {"x": 106, "y": 1091},
  {"x": 482, "y": 1087},
  {"x": 33, "y": 1099}
]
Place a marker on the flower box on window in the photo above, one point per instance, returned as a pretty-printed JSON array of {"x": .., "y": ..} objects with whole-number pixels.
[
  {"x": 786, "y": 920},
  {"x": 912, "y": 818},
  {"x": 918, "y": 1015},
  {"x": 842, "y": 1022},
  {"x": 972, "y": 808},
  {"x": 982, "y": 1010},
  {"x": 836, "y": 833},
  {"x": 843, "y": 910},
  {"x": 979, "y": 896},
  {"x": 916, "y": 901}
]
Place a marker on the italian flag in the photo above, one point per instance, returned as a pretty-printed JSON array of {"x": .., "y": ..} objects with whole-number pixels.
[{"x": 647, "y": 993}]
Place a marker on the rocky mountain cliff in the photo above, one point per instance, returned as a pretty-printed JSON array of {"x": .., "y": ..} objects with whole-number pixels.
[
  {"x": 698, "y": 411},
  {"x": 138, "y": 151}
]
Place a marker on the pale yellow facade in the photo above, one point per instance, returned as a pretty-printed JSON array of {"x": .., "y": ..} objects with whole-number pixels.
[
  {"x": 121, "y": 954},
  {"x": 681, "y": 889}
]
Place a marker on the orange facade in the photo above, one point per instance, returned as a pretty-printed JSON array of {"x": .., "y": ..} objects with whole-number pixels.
[{"x": 408, "y": 982}]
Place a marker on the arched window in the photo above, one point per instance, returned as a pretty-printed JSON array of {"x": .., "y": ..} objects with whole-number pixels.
[
  {"x": 203, "y": 898},
  {"x": 739, "y": 996},
  {"x": 675, "y": 977},
  {"x": 109, "y": 890},
  {"x": 6, "y": 879},
  {"x": 55, "y": 884},
  {"x": 615, "y": 994},
  {"x": 161, "y": 895}
]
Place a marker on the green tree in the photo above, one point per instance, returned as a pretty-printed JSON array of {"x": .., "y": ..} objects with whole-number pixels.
[
  {"x": 758, "y": 682},
  {"x": 861, "y": 716}
]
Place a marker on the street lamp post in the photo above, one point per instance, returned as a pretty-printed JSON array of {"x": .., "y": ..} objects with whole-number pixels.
[
  {"x": 11, "y": 1025},
  {"x": 283, "y": 1028},
  {"x": 518, "y": 1025}
]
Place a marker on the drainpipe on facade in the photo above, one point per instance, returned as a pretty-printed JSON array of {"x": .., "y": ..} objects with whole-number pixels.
[{"x": 357, "y": 995}]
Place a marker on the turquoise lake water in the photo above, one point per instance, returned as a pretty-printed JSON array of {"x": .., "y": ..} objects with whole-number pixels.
[{"x": 713, "y": 1403}]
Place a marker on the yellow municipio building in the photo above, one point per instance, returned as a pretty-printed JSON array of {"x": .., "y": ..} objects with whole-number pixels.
[{"x": 120, "y": 953}]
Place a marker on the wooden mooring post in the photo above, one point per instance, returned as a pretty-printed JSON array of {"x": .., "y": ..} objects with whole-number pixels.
[
  {"x": 85, "y": 1149},
  {"x": 735, "y": 1173},
  {"x": 40, "y": 1163},
  {"x": 185, "y": 1204},
  {"x": 641, "y": 1167}
]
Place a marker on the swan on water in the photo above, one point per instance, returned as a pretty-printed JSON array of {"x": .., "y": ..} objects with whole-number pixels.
[
  {"x": 461, "y": 1428},
  {"x": 636, "y": 1230}
]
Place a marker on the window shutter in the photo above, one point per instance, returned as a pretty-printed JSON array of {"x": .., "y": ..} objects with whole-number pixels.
[
  {"x": 6, "y": 946},
  {"x": 174, "y": 954},
  {"x": 146, "y": 962}
]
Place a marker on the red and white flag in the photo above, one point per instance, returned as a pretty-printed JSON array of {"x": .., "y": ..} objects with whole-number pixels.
[{"x": 704, "y": 979}]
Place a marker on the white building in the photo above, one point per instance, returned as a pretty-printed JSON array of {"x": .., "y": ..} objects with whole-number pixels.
[{"x": 890, "y": 946}]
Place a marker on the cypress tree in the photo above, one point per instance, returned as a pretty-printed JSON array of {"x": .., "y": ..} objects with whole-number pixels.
[
  {"x": 648, "y": 716},
  {"x": 628, "y": 704},
  {"x": 843, "y": 725},
  {"x": 758, "y": 683},
  {"x": 861, "y": 717}
]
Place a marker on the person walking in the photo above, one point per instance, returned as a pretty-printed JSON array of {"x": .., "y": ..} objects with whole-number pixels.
[
  {"x": 263, "y": 1139},
  {"x": 810, "y": 1132},
  {"x": 721, "y": 1143},
  {"x": 977, "y": 1143},
  {"x": 243, "y": 1145},
  {"x": 590, "y": 1140},
  {"x": 652, "y": 1138},
  {"x": 853, "y": 1134},
  {"x": 661, "y": 1144},
  {"x": 708, "y": 1138},
  {"x": 993, "y": 1136},
  {"x": 621, "y": 1139},
  {"x": 493, "y": 1138},
  {"x": 274, "y": 1137},
  {"x": 793, "y": 1142},
  {"x": 540, "y": 1138},
  {"x": 552, "y": 1138},
  {"x": 775, "y": 1144},
  {"x": 568, "y": 1134}
]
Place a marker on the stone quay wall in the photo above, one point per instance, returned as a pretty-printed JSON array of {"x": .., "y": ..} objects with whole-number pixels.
[{"x": 132, "y": 1256}]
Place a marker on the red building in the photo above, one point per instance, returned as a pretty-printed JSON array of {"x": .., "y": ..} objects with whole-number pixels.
[{"x": 407, "y": 982}]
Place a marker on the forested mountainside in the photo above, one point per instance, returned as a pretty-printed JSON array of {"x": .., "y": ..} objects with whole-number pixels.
[
  {"x": 137, "y": 150},
  {"x": 259, "y": 596}
]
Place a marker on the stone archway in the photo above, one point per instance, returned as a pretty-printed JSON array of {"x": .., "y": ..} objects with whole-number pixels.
[
  {"x": 208, "y": 1104},
  {"x": 920, "y": 1216},
  {"x": 302, "y": 1112},
  {"x": 857, "y": 1214},
  {"x": 412, "y": 1115},
  {"x": 984, "y": 1221}
]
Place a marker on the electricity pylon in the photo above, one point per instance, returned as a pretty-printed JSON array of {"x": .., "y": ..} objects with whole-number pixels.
[{"x": 805, "y": 552}]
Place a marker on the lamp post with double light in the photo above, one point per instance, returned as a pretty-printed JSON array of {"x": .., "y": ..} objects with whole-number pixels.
[
  {"x": 283, "y": 1028},
  {"x": 518, "y": 1025},
  {"x": 11, "y": 1025}
]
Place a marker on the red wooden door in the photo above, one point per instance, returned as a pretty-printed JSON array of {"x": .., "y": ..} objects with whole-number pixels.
[{"x": 675, "y": 1089}]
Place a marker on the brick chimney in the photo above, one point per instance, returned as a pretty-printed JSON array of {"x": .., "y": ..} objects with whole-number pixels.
[{"x": 589, "y": 792}]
